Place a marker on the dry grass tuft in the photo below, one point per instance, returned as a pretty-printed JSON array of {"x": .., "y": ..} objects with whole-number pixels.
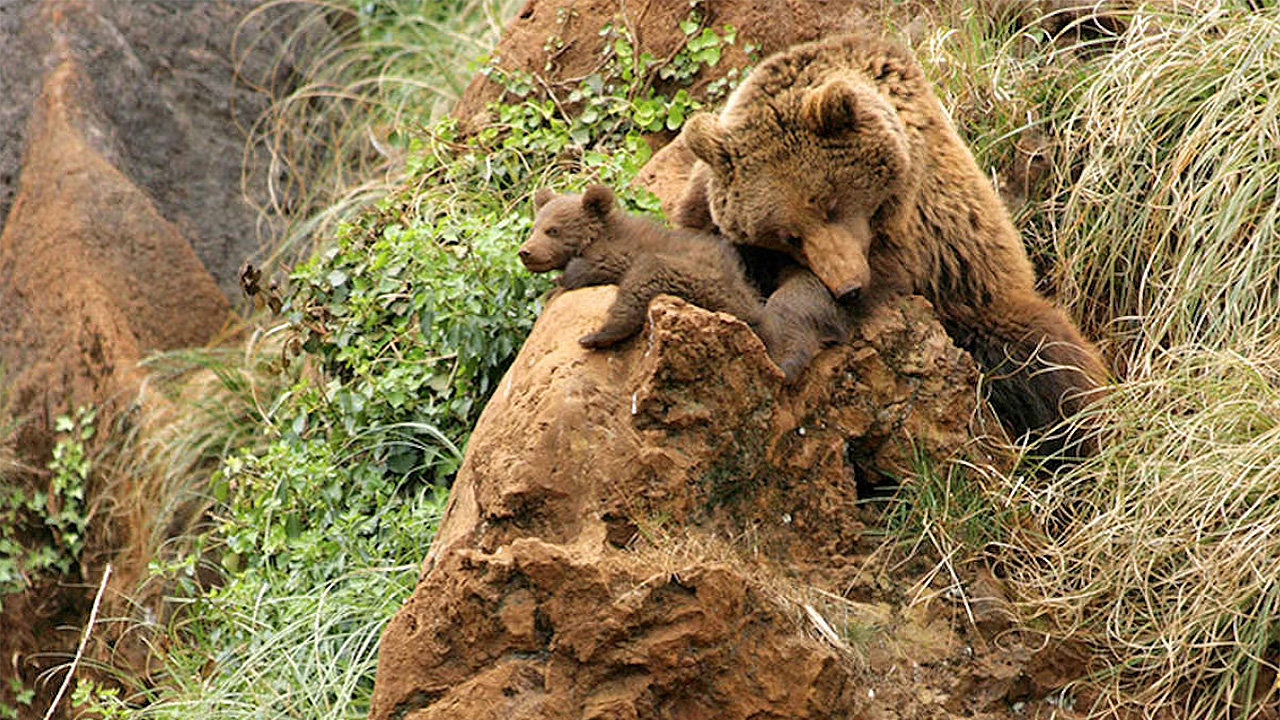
[
  {"x": 1169, "y": 225},
  {"x": 348, "y": 92},
  {"x": 1164, "y": 551},
  {"x": 198, "y": 407}
]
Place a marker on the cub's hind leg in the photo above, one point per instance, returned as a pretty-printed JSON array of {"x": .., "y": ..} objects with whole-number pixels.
[{"x": 801, "y": 318}]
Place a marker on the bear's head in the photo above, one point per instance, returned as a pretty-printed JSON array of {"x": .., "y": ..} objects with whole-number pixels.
[
  {"x": 804, "y": 172},
  {"x": 564, "y": 226}
]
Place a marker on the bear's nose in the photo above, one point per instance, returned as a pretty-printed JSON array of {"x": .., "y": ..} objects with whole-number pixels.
[
  {"x": 848, "y": 294},
  {"x": 524, "y": 254}
]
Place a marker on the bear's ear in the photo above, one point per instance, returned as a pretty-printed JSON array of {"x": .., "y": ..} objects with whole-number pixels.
[
  {"x": 832, "y": 108},
  {"x": 598, "y": 200},
  {"x": 704, "y": 136},
  {"x": 542, "y": 197}
]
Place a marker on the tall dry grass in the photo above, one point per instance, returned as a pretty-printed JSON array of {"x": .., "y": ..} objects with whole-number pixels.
[
  {"x": 1167, "y": 167},
  {"x": 349, "y": 90},
  {"x": 1162, "y": 553}
]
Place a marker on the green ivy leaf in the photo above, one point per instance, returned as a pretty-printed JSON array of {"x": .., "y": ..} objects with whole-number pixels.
[{"x": 675, "y": 117}]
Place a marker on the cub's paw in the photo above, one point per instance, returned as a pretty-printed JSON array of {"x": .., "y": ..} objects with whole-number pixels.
[
  {"x": 793, "y": 360},
  {"x": 603, "y": 338},
  {"x": 792, "y": 368}
]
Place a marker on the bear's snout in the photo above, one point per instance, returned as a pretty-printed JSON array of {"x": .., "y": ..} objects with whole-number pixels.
[
  {"x": 838, "y": 254},
  {"x": 538, "y": 258}
]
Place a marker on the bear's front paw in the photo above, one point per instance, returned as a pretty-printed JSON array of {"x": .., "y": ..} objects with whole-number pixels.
[{"x": 792, "y": 362}]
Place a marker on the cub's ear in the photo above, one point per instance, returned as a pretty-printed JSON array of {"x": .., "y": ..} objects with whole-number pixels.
[
  {"x": 835, "y": 107},
  {"x": 542, "y": 197},
  {"x": 598, "y": 199},
  {"x": 705, "y": 138}
]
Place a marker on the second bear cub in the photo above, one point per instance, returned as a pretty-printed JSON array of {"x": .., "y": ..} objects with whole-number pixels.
[{"x": 597, "y": 243}]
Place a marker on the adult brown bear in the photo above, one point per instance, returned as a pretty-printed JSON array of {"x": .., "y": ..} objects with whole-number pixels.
[{"x": 838, "y": 156}]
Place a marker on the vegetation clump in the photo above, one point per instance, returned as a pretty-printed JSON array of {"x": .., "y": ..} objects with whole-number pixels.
[{"x": 1159, "y": 215}]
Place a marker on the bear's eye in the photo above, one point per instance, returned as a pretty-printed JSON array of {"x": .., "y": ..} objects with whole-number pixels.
[{"x": 552, "y": 231}]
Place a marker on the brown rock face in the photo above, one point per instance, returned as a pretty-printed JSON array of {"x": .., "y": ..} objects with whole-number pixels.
[
  {"x": 172, "y": 101},
  {"x": 562, "y": 583},
  {"x": 122, "y": 215},
  {"x": 91, "y": 274}
]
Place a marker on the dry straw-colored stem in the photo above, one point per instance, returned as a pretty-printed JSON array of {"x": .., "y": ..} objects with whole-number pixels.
[{"x": 84, "y": 640}]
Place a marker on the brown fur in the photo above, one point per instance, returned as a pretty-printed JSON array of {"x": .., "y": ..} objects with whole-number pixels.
[
  {"x": 596, "y": 243},
  {"x": 839, "y": 154}
]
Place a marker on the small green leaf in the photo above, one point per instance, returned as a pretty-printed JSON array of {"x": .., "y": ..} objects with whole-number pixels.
[{"x": 675, "y": 117}]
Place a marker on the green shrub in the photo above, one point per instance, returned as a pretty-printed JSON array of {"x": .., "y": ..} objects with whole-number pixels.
[
  {"x": 396, "y": 331},
  {"x": 408, "y": 321},
  {"x": 42, "y": 531}
]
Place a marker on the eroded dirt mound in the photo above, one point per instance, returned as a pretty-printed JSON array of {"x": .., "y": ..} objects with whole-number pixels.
[
  {"x": 665, "y": 530},
  {"x": 173, "y": 101},
  {"x": 121, "y": 209},
  {"x": 560, "y": 42},
  {"x": 91, "y": 275}
]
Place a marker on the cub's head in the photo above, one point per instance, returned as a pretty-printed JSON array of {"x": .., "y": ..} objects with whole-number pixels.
[
  {"x": 804, "y": 172},
  {"x": 564, "y": 226}
]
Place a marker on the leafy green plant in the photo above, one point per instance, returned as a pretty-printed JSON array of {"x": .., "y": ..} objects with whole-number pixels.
[
  {"x": 394, "y": 334},
  {"x": 58, "y": 509},
  {"x": 71, "y": 465},
  {"x": 416, "y": 311},
  {"x": 23, "y": 696},
  {"x": 105, "y": 700}
]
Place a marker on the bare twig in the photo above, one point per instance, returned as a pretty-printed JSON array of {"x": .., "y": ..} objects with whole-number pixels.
[{"x": 84, "y": 640}]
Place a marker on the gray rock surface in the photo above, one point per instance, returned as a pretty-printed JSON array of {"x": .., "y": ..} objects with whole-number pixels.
[{"x": 173, "y": 110}]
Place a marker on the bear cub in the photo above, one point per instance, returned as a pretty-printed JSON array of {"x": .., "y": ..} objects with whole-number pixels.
[{"x": 597, "y": 243}]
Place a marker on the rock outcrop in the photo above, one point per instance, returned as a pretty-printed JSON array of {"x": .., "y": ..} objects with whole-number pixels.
[
  {"x": 92, "y": 276},
  {"x": 172, "y": 100},
  {"x": 631, "y": 528}
]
